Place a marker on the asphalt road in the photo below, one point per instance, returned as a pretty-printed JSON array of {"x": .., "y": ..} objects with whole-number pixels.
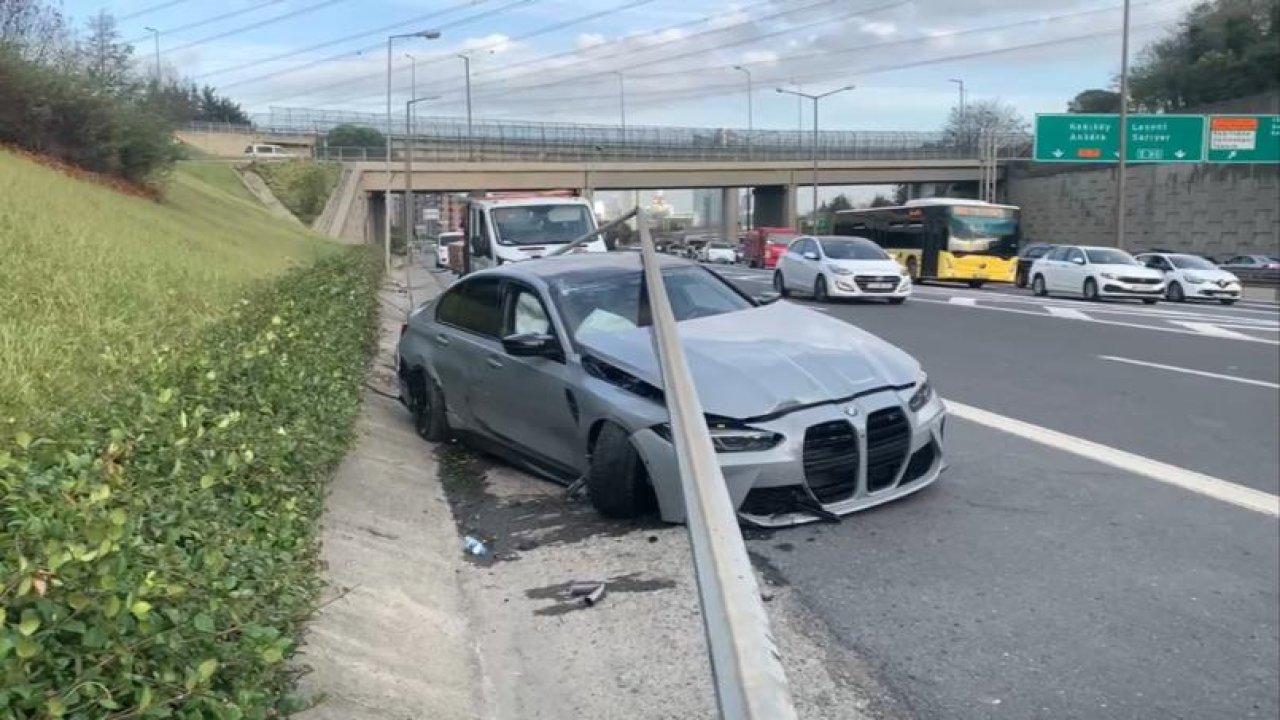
[{"x": 1036, "y": 582}]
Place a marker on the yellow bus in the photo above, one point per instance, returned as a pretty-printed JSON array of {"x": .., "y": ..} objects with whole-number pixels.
[{"x": 949, "y": 239}]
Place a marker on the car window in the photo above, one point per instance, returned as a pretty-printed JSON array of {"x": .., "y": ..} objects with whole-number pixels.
[
  {"x": 1238, "y": 260},
  {"x": 527, "y": 314},
  {"x": 1075, "y": 255},
  {"x": 1036, "y": 251},
  {"x": 1191, "y": 262},
  {"x": 851, "y": 249},
  {"x": 610, "y": 302},
  {"x": 1059, "y": 253},
  {"x": 1109, "y": 256},
  {"x": 473, "y": 305}
]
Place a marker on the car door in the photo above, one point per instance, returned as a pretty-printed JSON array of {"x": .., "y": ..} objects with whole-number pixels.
[
  {"x": 530, "y": 403},
  {"x": 807, "y": 263},
  {"x": 1050, "y": 266},
  {"x": 789, "y": 265},
  {"x": 466, "y": 332},
  {"x": 1073, "y": 271},
  {"x": 479, "y": 245}
]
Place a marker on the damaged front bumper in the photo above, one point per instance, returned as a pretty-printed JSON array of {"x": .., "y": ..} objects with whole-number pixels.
[{"x": 835, "y": 459}]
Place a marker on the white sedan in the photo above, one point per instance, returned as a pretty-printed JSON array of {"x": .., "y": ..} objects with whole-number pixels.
[
  {"x": 1192, "y": 277},
  {"x": 442, "y": 247},
  {"x": 1095, "y": 273},
  {"x": 837, "y": 266}
]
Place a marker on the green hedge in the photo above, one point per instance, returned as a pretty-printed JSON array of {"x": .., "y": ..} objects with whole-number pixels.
[
  {"x": 159, "y": 553},
  {"x": 303, "y": 186}
]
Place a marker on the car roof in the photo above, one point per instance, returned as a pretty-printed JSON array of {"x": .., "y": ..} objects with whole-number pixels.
[{"x": 579, "y": 264}]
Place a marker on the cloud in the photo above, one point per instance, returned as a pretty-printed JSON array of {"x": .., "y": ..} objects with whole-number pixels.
[
  {"x": 760, "y": 56},
  {"x": 494, "y": 44},
  {"x": 879, "y": 29},
  {"x": 586, "y": 41}
]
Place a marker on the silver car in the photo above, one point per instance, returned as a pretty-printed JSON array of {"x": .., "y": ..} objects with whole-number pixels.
[{"x": 549, "y": 363}]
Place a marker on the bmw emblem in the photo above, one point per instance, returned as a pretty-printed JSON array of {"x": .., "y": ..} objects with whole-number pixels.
[{"x": 851, "y": 411}]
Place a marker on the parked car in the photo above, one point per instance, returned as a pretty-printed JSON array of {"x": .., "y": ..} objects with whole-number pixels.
[
  {"x": 1095, "y": 273},
  {"x": 267, "y": 152},
  {"x": 718, "y": 252},
  {"x": 548, "y": 363},
  {"x": 1191, "y": 276},
  {"x": 443, "y": 241},
  {"x": 1028, "y": 255},
  {"x": 831, "y": 266},
  {"x": 1253, "y": 262}
]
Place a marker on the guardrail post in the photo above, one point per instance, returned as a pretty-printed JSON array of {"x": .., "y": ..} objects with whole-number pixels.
[{"x": 747, "y": 672}]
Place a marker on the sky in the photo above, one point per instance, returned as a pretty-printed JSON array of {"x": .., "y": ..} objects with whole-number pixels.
[{"x": 671, "y": 62}]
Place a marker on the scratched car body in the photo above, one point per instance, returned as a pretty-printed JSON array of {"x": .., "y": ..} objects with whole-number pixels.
[{"x": 549, "y": 363}]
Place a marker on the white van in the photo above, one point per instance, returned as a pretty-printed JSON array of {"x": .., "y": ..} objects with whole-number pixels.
[
  {"x": 267, "y": 152},
  {"x": 506, "y": 230}
]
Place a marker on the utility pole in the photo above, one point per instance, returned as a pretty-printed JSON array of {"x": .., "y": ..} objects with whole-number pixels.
[
  {"x": 466, "y": 68},
  {"x": 814, "y": 149},
  {"x": 155, "y": 35},
  {"x": 386, "y": 196},
  {"x": 1124, "y": 128},
  {"x": 408, "y": 194},
  {"x": 622, "y": 105},
  {"x": 751, "y": 132}
]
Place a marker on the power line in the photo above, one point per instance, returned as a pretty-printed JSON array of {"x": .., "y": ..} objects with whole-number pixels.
[
  {"x": 206, "y": 21},
  {"x": 448, "y": 56},
  {"x": 254, "y": 26},
  {"x": 153, "y": 8}
]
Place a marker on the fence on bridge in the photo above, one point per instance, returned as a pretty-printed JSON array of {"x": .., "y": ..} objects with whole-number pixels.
[{"x": 449, "y": 139}]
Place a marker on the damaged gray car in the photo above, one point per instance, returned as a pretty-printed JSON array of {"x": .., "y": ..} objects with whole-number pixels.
[{"x": 550, "y": 364}]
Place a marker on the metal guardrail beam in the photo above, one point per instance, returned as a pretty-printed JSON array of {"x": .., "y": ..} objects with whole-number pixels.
[{"x": 749, "y": 680}]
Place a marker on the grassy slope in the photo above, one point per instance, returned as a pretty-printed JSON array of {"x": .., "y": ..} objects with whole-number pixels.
[
  {"x": 94, "y": 280},
  {"x": 303, "y": 186}
]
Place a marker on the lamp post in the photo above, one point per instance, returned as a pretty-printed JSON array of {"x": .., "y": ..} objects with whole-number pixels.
[
  {"x": 386, "y": 196},
  {"x": 959, "y": 83},
  {"x": 1124, "y": 127},
  {"x": 408, "y": 194},
  {"x": 751, "y": 132},
  {"x": 466, "y": 68},
  {"x": 155, "y": 36},
  {"x": 815, "y": 99},
  {"x": 622, "y": 105}
]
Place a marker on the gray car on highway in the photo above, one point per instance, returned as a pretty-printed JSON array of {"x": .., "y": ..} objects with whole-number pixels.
[{"x": 550, "y": 363}]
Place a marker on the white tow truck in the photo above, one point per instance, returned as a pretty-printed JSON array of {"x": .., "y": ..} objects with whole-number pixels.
[{"x": 502, "y": 228}]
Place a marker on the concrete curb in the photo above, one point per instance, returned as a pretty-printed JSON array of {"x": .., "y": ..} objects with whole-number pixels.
[{"x": 393, "y": 640}]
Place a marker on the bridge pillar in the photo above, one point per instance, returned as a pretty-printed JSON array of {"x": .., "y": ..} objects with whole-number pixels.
[
  {"x": 774, "y": 206},
  {"x": 729, "y": 215}
]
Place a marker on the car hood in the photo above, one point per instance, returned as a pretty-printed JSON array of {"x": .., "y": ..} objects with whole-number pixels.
[
  {"x": 1210, "y": 275},
  {"x": 765, "y": 360},
  {"x": 1138, "y": 271},
  {"x": 869, "y": 267}
]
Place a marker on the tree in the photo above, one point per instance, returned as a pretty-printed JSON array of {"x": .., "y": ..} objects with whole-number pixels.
[
  {"x": 881, "y": 201},
  {"x": 837, "y": 203},
  {"x": 358, "y": 136},
  {"x": 982, "y": 117},
  {"x": 35, "y": 31},
  {"x": 103, "y": 58},
  {"x": 214, "y": 108},
  {"x": 1095, "y": 100},
  {"x": 1221, "y": 50},
  {"x": 901, "y": 194}
]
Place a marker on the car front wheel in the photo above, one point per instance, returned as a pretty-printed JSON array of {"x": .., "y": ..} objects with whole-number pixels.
[
  {"x": 1091, "y": 289},
  {"x": 616, "y": 478},
  {"x": 426, "y": 402},
  {"x": 820, "y": 289},
  {"x": 779, "y": 283},
  {"x": 1037, "y": 287},
  {"x": 1175, "y": 293}
]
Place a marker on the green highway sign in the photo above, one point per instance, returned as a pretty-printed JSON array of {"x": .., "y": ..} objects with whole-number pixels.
[
  {"x": 1095, "y": 138},
  {"x": 1244, "y": 138}
]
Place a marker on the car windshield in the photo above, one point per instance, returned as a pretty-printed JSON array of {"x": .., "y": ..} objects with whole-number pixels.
[
  {"x": 540, "y": 224},
  {"x": 781, "y": 240},
  {"x": 611, "y": 302},
  {"x": 721, "y": 246},
  {"x": 1036, "y": 251},
  {"x": 1191, "y": 262},
  {"x": 851, "y": 249},
  {"x": 1109, "y": 256}
]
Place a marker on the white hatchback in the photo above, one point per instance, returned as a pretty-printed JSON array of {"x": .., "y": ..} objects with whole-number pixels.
[
  {"x": 833, "y": 266},
  {"x": 1095, "y": 273},
  {"x": 1191, "y": 277}
]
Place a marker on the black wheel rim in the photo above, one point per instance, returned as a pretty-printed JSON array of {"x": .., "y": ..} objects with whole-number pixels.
[
  {"x": 777, "y": 282},
  {"x": 821, "y": 291}
]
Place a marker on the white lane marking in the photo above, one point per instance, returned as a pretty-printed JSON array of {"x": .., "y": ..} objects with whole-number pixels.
[
  {"x": 1066, "y": 312},
  {"x": 1108, "y": 322},
  {"x": 1189, "y": 371},
  {"x": 963, "y": 301},
  {"x": 1212, "y": 329},
  {"x": 1207, "y": 485}
]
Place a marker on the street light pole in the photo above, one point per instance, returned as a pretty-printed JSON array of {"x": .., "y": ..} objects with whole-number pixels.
[
  {"x": 960, "y": 83},
  {"x": 155, "y": 35},
  {"x": 386, "y": 196},
  {"x": 622, "y": 105},
  {"x": 815, "y": 99},
  {"x": 466, "y": 62},
  {"x": 1124, "y": 128},
  {"x": 751, "y": 122},
  {"x": 408, "y": 195}
]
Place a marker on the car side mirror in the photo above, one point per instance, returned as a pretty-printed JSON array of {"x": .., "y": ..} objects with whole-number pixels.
[
  {"x": 532, "y": 344},
  {"x": 765, "y": 298},
  {"x": 811, "y": 255},
  {"x": 1078, "y": 261}
]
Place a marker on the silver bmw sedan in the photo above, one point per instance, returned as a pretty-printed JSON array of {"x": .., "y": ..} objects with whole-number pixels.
[{"x": 550, "y": 364}]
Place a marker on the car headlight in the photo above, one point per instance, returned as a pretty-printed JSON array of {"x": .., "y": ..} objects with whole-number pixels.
[
  {"x": 837, "y": 270},
  {"x": 1108, "y": 276},
  {"x": 922, "y": 396},
  {"x": 727, "y": 438},
  {"x": 1194, "y": 279}
]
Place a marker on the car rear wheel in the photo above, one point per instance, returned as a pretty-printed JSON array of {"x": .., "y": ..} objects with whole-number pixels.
[
  {"x": 820, "y": 289},
  {"x": 897, "y": 301},
  {"x": 616, "y": 478},
  {"x": 1091, "y": 289},
  {"x": 1150, "y": 301},
  {"x": 426, "y": 402},
  {"x": 1020, "y": 278},
  {"x": 1037, "y": 287},
  {"x": 1174, "y": 293},
  {"x": 1227, "y": 301},
  {"x": 913, "y": 268},
  {"x": 780, "y": 284}
]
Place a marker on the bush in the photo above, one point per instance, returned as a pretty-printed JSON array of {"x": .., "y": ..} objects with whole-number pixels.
[
  {"x": 303, "y": 186},
  {"x": 56, "y": 112},
  {"x": 352, "y": 136},
  {"x": 159, "y": 551}
]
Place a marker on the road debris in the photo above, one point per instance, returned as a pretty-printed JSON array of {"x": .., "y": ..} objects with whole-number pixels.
[{"x": 474, "y": 546}]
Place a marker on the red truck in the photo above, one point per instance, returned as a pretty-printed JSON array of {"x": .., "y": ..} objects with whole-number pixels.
[{"x": 764, "y": 245}]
